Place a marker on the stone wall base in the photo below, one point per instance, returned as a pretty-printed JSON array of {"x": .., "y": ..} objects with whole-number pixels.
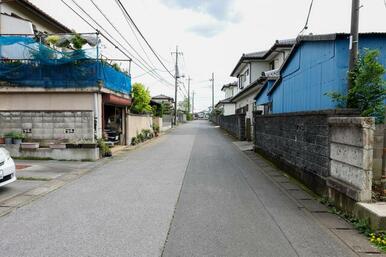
[
  {"x": 316, "y": 183},
  {"x": 66, "y": 154}
]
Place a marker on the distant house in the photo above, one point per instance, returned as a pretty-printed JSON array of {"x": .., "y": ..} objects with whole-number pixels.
[
  {"x": 249, "y": 72},
  {"x": 318, "y": 64},
  {"x": 227, "y": 106},
  {"x": 162, "y": 99}
]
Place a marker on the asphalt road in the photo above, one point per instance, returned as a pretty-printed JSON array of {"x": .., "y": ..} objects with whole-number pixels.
[{"x": 191, "y": 193}]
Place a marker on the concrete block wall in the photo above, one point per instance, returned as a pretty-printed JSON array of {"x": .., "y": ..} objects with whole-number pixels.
[
  {"x": 46, "y": 125},
  {"x": 351, "y": 154},
  {"x": 378, "y": 153},
  {"x": 234, "y": 124},
  {"x": 298, "y": 143}
]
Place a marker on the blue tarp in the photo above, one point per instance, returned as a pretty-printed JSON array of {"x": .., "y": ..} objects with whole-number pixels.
[{"x": 26, "y": 62}]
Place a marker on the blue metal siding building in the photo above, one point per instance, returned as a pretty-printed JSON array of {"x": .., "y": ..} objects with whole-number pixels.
[{"x": 317, "y": 65}]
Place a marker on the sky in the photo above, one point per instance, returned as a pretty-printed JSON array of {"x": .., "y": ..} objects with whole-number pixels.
[{"x": 211, "y": 34}]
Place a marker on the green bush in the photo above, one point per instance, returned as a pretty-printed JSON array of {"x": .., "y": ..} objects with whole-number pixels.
[
  {"x": 104, "y": 148},
  {"x": 140, "y": 138},
  {"x": 147, "y": 134},
  {"x": 368, "y": 87},
  {"x": 134, "y": 141},
  {"x": 15, "y": 135}
]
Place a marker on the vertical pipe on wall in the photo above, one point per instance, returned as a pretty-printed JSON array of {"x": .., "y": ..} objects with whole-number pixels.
[{"x": 96, "y": 116}]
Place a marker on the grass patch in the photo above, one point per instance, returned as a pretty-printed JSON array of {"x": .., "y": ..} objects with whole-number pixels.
[
  {"x": 33, "y": 178},
  {"x": 378, "y": 239}
]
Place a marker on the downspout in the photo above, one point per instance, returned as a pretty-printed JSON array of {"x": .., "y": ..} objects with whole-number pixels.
[
  {"x": 96, "y": 115},
  {"x": 96, "y": 107}
]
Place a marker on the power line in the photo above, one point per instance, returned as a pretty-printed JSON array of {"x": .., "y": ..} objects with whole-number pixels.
[
  {"x": 308, "y": 18},
  {"x": 111, "y": 41},
  {"x": 140, "y": 33},
  {"x": 150, "y": 67}
]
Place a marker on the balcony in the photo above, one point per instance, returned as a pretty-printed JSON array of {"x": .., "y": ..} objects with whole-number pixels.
[{"x": 26, "y": 62}]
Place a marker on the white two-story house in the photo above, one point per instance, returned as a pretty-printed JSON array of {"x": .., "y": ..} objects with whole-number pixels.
[
  {"x": 250, "y": 71},
  {"x": 227, "y": 106}
]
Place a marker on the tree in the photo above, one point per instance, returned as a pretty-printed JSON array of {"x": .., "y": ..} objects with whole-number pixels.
[
  {"x": 141, "y": 99},
  {"x": 368, "y": 91},
  {"x": 184, "y": 105}
]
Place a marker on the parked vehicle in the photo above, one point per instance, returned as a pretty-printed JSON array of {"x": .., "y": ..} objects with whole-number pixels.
[{"x": 7, "y": 168}]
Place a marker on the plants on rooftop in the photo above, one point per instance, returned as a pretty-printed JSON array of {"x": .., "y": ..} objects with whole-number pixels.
[{"x": 368, "y": 91}]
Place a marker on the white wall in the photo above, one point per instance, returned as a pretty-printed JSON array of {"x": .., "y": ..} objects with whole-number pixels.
[
  {"x": 229, "y": 92},
  {"x": 41, "y": 24},
  {"x": 12, "y": 25},
  {"x": 135, "y": 124},
  {"x": 247, "y": 77},
  {"x": 47, "y": 101},
  {"x": 229, "y": 109},
  {"x": 258, "y": 68}
]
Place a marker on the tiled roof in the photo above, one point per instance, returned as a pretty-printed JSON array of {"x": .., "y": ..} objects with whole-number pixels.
[
  {"x": 262, "y": 55},
  {"x": 161, "y": 97}
]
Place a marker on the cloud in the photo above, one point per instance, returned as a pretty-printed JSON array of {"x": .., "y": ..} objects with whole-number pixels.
[
  {"x": 207, "y": 30},
  {"x": 221, "y": 10}
]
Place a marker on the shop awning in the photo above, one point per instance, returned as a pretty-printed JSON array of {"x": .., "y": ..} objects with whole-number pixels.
[{"x": 116, "y": 100}]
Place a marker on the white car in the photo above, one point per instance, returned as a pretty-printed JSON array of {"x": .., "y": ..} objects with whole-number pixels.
[{"x": 7, "y": 168}]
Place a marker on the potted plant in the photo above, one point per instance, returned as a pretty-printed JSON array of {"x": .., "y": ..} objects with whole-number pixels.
[
  {"x": 17, "y": 138},
  {"x": 8, "y": 138},
  {"x": 105, "y": 150},
  {"x": 156, "y": 129}
]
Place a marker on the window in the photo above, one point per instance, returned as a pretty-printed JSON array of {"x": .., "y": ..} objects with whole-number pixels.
[{"x": 272, "y": 65}]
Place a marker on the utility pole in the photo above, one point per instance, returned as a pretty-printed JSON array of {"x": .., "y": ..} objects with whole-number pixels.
[
  {"x": 354, "y": 38},
  {"x": 189, "y": 79},
  {"x": 212, "y": 79},
  {"x": 176, "y": 77},
  {"x": 193, "y": 104}
]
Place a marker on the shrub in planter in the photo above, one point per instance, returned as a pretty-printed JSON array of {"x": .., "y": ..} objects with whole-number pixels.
[
  {"x": 146, "y": 133},
  {"x": 105, "y": 150},
  {"x": 134, "y": 141},
  {"x": 140, "y": 137},
  {"x": 18, "y": 138},
  {"x": 156, "y": 129},
  {"x": 8, "y": 138}
]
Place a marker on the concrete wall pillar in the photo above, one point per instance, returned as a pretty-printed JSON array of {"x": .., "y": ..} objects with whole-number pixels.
[{"x": 351, "y": 155}]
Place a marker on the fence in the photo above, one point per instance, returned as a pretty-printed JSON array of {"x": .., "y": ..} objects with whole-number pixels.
[{"x": 233, "y": 124}]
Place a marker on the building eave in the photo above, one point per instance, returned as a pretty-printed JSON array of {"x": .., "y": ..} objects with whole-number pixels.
[{"x": 33, "y": 8}]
